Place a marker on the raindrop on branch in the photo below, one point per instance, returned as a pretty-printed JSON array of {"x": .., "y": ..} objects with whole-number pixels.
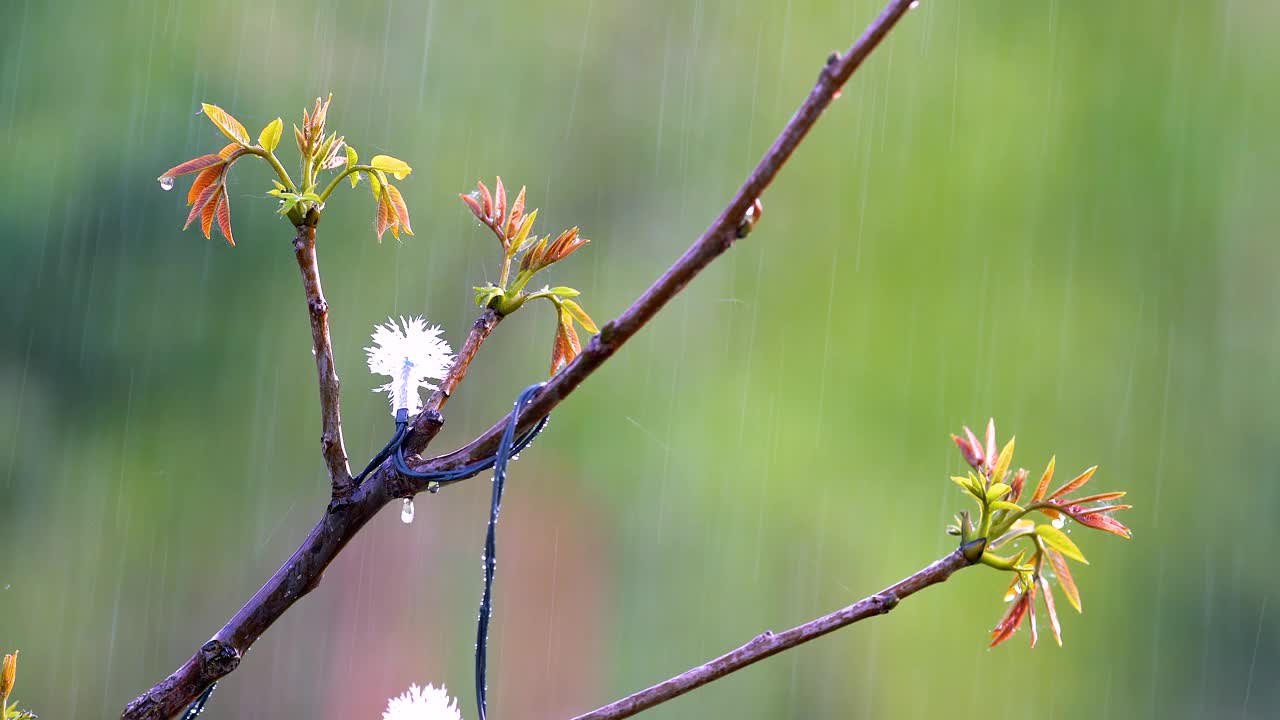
[{"x": 406, "y": 511}]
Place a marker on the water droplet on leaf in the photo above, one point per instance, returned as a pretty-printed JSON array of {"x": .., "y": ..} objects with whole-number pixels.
[{"x": 166, "y": 183}]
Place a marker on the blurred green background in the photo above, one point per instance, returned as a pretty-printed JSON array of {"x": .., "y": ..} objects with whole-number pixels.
[{"x": 1062, "y": 214}]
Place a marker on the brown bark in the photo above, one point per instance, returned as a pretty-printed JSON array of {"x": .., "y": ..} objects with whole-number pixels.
[{"x": 331, "y": 444}]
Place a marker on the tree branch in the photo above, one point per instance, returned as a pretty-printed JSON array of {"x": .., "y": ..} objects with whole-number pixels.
[
  {"x": 346, "y": 516},
  {"x": 331, "y": 444},
  {"x": 302, "y": 572},
  {"x": 715, "y": 241},
  {"x": 767, "y": 644}
]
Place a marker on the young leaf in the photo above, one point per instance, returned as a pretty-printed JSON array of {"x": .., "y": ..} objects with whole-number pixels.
[
  {"x": 1075, "y": 483},
  {"x": 207, "y": 177},
  {"x": 269, "y": 138},
  {"x": 1044, "y": 481},
  {"x": 202, "y": 201},
  {"x": 382, "y": 218},
  {"x": 1003, "y": 462},
  {"x": 1058, "y": 540},
  {"x": 566, "y": 346},
  {"x": 518, "y": 241},
  {"x": 352, "y": 159},
  {"x": 206, "y": 215},
  {"x": 1065, "y": 581},
  {"x": 991, "y": 444},
  {"x": 997, "y": 491},
  {"x": 223, "y": 214},
  {"x": 564, "y": 292},
  {"x": 398, "y": 168},
  {"x": 580, "y": 315},
  {"x": 195, "y": 165},
  {"x": 401, "y": 210},
  {"x": 1105, "y": 523},
  {"x": 500, "y": 211},
  {"x": 1051, "y": 610},
  {"x": 1002, "y": 505},
  {"x": 227, "y": 124}
]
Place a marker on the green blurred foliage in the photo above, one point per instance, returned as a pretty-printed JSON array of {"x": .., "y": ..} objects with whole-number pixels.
[{"x": 1060, "y": 214}]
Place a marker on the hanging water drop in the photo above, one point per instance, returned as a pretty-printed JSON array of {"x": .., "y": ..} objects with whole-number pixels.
[
  {"x": 1058, "y": 522},
  {"x": 166, "y": 183},
  {"x": 406, "y": 511}
]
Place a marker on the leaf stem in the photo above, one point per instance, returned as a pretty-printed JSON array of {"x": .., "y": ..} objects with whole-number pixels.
[
  {"x": 333, "y": 184},
  {"x": 270, "y": 157}
]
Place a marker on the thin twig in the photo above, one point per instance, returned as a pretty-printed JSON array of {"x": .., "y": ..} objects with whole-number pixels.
[
  {"x": 331, "y": 444},
  {"x": 342, "y": 520},
  {"x": 767, "y": 643}
]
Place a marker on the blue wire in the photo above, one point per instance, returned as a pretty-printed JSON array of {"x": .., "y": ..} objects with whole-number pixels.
[
  {"x": 197, "y": 707},
  {"x": 506, "y": 448}
]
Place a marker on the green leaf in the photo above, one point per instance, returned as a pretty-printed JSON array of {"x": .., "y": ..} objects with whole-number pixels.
[
  {"x": 269, "y": 138},
  {"x": 1002, "y": 505},
  {"x": 1058, "y": 540},
  {"x": 970, "y": 485},
  {"x": 352, "y": 159},
  {"x": 227, "y": 124},
  {"x": 518, "y": 242},
  {"x": 566, "y": 292},
  {"x": 997, "y": 491},
  {"x": 580, "y": 315},
  {"x": 1003, "y": 462},
  {"x": 397, "y": 167}
]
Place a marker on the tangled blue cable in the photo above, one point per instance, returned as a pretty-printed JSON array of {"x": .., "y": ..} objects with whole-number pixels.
[{"x": 508, "y": 446}]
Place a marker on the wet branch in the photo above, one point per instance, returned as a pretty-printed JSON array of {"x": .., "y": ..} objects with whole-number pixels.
[
  {"x": 331, "y": 444},
  {"x": 715, "y": 241},
  {"x": 349, "y": 512},
  {"x": 767, "y": 643}
]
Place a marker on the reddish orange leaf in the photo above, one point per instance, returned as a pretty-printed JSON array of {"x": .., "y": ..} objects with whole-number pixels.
[
  {"x": 970, "y": 448},
  {"x": 1045, "y": 479},
  {"x": 206, "y": 215},
  {"x": 223, "y": 213},
  {"x": 1105, "y": 523},
  {"x": 517, "y": 213},
  {"x": 194, "y": 165},
  {"x": 382, "y": 219},
  {"x": 1075, "y": 483},
  {"x": 1065, "y": 581},
  {"x": 207, "y": 177},
  {"x": 1019, "y": 480},
  {"x": 401, "y": 210},
  {"x": 202, "y": 201},
  {"x": 566, "y": 346},
  {"x": 1054, "y": 625},
  {"x": 1100, "y": 497},
  {"x": 500, "y": 211},
  {"x": 1031, "y": 614},
  {"x": 486, "y": 200},
  {"x": 1010, "y": 622},
  {"x": 474, "y": 204}
]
